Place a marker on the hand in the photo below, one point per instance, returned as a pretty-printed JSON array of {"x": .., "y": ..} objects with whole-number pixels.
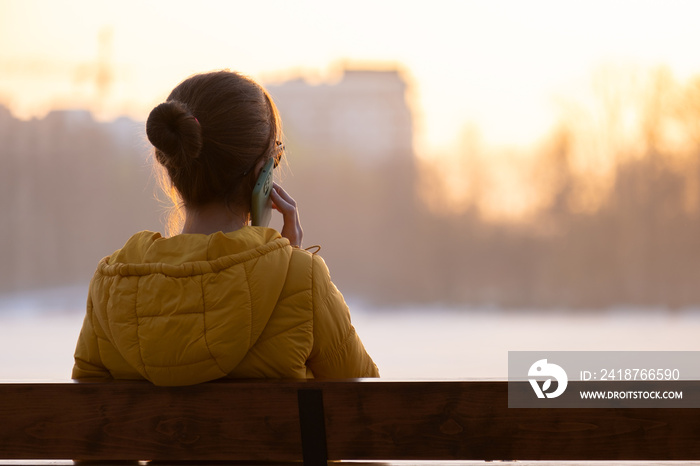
[{"x": 283, "y": 203}]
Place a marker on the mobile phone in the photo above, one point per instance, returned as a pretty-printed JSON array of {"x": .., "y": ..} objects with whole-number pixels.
[{"x": 261, "y": 208}]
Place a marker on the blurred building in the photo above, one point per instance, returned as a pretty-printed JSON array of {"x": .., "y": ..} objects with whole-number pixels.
[
  {"x": 72, "y": 190},
  {"x": 363, "y": 117}
]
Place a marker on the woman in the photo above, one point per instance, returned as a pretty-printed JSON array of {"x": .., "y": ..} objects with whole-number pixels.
[{"x": 222, "y": 298}]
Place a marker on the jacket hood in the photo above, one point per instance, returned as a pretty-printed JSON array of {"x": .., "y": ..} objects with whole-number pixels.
[{"x": 189, "y": 307}]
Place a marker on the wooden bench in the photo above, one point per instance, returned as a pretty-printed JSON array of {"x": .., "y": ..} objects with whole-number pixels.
[{"x": 316, "y": 421}]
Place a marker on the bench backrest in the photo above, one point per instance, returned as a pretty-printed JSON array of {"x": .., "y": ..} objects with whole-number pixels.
[{"x": 320, "y": 420}]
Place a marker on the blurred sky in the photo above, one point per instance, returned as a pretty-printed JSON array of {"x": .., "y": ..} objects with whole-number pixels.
[{"x": 503, "y": 67}]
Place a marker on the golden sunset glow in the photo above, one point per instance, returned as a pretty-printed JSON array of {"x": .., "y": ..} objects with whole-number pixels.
[{"x": 506, "y": 72}]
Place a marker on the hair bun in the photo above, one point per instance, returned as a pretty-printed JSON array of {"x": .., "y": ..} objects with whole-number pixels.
[{"x": 175, "y": 133}]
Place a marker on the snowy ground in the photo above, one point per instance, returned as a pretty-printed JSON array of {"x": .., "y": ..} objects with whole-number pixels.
[{"x": 38, "y": 332}]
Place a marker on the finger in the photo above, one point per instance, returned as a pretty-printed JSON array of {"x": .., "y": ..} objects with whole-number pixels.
[
  {"x": 281, "y": 204},
  {"x": 283, "y": 194}
]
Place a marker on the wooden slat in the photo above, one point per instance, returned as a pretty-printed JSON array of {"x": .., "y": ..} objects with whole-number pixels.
[
  {"x": 364, "y": 420},
  {"x": 472, "y": 421},
  {"x": 135, "y": 420}
]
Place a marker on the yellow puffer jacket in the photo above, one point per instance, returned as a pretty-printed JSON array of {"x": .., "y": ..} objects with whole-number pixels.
[{"x": 194, "y": 308}]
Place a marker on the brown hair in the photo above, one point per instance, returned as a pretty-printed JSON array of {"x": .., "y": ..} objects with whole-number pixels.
[{"x": 209, "y": 135}]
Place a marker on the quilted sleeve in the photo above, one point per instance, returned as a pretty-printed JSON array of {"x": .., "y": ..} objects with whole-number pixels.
[
  {"x": 88, "y": 363},
  {"x": 337, "y": 351}
]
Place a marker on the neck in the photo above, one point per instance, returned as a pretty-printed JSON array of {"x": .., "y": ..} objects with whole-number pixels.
[{"x": 211, "y": 218}]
